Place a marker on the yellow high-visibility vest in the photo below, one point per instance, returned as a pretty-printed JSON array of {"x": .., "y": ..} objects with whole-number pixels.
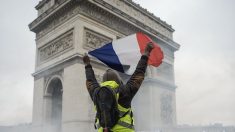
[{"x": 126, "y": 121}]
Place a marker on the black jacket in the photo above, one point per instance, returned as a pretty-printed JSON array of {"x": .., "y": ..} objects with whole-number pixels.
[{"x": 127, "y": 91}]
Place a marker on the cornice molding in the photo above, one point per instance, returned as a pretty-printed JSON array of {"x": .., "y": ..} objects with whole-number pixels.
[
  {"x": 77, "y": 58},
  {"x": 128, "y": 6},
  {"x": 60, "y": 65},
  {"x": 48, "y": 15}
]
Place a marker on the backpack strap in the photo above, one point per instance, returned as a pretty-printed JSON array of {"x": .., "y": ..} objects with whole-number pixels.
[
  {"x": 94, "y": 98},
  {"x": 123, "y": 113},
  {"x": 95, "y": 101},
  {"x": 127, "y": 125}
]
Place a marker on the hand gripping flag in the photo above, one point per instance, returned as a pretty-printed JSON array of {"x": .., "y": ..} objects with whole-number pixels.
[{"x": 124, "y": 54}]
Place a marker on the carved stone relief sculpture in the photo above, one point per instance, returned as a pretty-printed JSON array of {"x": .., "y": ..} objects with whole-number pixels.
[
  {"x": 56, "y": 46},
  {"x": 94, "y": 40}
]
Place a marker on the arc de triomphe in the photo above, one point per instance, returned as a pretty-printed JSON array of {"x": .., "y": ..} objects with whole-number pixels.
[{"x": 65, "y": 29}]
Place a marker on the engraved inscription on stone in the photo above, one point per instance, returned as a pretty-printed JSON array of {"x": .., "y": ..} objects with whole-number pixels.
[
  {"x": 166, "y": 109},
  {"x": 56, "y": 46},
  {"x": 94, "y": 40}
]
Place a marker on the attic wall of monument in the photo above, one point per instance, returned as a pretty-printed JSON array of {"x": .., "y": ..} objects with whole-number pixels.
[
  {"x": 89, "y": 11},
  {"x": 131, "y": 11},
  {"x": 46, "y": 5},
  {"x": 128, "y": 8}
]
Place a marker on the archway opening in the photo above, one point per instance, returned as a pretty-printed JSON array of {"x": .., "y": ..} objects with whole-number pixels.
[{"x": 55, "y": 89}]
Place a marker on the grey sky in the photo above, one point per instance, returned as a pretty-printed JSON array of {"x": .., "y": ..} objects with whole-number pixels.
[
  {"x": 203, "y": 67},
  {"x": 17, "y": 55}
]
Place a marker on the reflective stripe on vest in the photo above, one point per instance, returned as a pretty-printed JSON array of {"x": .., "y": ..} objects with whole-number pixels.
[{"x": 126, "y": 121}]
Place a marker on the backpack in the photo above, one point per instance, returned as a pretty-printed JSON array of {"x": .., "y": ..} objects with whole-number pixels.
[{"x": 106, "y": 104}]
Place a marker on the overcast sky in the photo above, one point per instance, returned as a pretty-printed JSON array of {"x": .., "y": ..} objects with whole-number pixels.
[{"x": 204, "y": 73}]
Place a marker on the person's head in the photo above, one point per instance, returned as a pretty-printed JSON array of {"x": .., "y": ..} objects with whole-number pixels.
[{"x": 112, "y": 75}]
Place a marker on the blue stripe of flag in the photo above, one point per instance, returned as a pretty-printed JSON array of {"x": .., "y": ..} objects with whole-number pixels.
[{"x": 107, "y": 55}]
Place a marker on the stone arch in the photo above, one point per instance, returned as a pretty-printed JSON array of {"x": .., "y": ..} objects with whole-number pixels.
[
  {"x": 48, "y": 89},
  {"x": 53, "y": 103}
]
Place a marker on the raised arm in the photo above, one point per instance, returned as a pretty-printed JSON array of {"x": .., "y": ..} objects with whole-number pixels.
[
  {"x": 135, "y": 81},
  {"x": 91, "y": 81}
]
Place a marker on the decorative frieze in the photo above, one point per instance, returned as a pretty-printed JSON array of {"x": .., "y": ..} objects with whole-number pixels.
[
  {"x": 56, "y": 46},
  {"x": 166, "y": 109},
  {"x": 94, "y": 40}
]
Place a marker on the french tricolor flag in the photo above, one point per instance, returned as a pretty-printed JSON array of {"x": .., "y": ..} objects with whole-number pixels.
[{"x": 124, "y": 54}]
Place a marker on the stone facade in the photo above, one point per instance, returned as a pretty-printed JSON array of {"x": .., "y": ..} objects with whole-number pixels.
[{"x": 65, "y": 29}]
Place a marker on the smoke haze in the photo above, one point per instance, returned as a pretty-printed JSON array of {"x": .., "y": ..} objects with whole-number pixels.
[{"x": 203, "y": 66}]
